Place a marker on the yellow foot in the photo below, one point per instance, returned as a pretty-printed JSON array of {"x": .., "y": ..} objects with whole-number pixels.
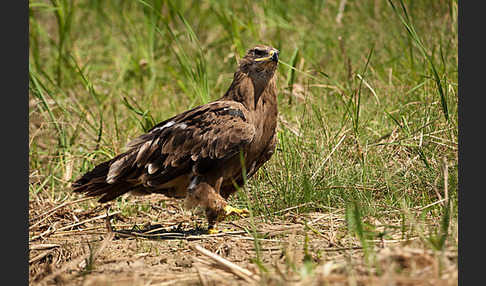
[
  {"x": 213, "y": 230},
  {"x": 229, "y": 210}
]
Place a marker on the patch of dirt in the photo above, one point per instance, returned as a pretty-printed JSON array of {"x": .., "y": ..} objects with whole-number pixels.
[{"x": 162, "y": 246}]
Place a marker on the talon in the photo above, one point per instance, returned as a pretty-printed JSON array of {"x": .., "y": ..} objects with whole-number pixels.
[
  {"x": 212, "y": 230},
  {"x": 229, "y": 210}
]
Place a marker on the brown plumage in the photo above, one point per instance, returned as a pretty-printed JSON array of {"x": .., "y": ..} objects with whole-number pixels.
[{"x": 196, "y": 155}]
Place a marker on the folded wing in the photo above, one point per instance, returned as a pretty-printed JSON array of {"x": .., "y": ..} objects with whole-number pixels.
[{"x": 209, "y": 133}]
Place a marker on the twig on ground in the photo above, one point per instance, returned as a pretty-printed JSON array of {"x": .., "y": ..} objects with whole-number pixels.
[
  {"x": 89, "y": 220},
  {"x": 51, "y": 231},
  {"x": 235, "y": 269},
  {"x": 40, "y": 256},
  {"x": 58, "y": 207},
  {"x": 43, "y": 246},
  {"x": 432, "y": 204}
]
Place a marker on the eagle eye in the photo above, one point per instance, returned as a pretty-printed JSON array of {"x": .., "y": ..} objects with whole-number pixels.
[{"x": 260, "y": 53}]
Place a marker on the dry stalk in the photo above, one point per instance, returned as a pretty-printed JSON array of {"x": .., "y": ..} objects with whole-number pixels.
[
  {"x": 51, "y": 231},
  {"x": 202, "y": 279},
  {"x": 280, "y": 211},
  {"x": 339, "y": 16},
  {"x": 43, "y": 246},
  {"x": 89, "y": 220},
  {"x": 446, "y": 179},
  {"x": 431, "y": 204},
  {"x": 235, "y": 269},
  {"x": 327, "y": 158},
  {"x": 60, "y": 206},
  {"x": 289, "y": 127},
  {"x": 40, "y": 256}
]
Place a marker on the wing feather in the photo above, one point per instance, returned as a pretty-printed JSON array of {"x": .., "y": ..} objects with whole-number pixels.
[{"x": 215, "y": 131}]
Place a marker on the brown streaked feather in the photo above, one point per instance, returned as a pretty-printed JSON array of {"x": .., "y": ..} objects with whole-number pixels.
[{"x": 216, "y": 130}]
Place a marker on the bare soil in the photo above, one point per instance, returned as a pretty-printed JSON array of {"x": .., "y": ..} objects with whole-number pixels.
[{"x": 69, "y": 245}]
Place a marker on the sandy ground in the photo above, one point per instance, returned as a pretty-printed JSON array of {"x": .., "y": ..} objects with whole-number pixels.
[{"x": 168, "y": 246}]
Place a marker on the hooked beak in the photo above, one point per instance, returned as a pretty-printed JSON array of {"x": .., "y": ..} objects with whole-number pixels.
[
  {"x": 272, "y": 55},
  {"x": 275, "y": 56}
]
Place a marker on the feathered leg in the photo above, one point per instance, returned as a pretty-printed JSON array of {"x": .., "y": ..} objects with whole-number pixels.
[
  {"x": 228, "y": 210},
  {"x": 216, "y": 207}
]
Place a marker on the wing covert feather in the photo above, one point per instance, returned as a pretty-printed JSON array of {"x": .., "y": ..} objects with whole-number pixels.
[{"x": 213, "y": 131}]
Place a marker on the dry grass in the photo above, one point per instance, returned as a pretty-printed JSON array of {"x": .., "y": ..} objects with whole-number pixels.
[{"x": 75, "y": 247}]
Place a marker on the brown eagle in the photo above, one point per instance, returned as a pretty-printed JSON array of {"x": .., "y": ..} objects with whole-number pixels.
[{"x": 196, "y": 155}]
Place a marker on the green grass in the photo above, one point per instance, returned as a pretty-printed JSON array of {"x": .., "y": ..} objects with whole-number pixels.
[{"x": 368, "y": 106}]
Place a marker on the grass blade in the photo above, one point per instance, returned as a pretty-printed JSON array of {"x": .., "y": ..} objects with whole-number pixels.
[
  {"x": 413, "y": 34},
  {"x": 291, "y": 73}
]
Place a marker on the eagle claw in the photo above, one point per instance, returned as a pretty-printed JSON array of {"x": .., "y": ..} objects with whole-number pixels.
[
  {"x": 212, "y": 230},
  {"x": 229, "y": 210}
]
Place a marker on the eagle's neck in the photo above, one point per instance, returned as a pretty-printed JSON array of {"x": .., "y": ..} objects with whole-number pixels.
[{"x": 248, "y": 90}]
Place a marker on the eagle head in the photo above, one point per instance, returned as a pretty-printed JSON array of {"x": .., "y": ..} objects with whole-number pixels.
[{"x": 260, "y": 62}]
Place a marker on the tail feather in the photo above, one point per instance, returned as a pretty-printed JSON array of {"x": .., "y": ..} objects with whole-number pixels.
[
  {"x": 97, "y": 175},
  {"x": 114, "y": 192},
  {"x": 94, "y": 183}
]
